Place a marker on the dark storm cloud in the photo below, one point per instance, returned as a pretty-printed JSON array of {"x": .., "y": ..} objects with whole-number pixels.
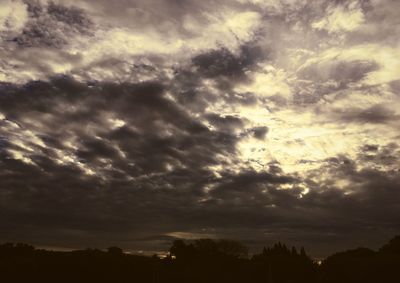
[
  {"x": 222, "y": 62},
  {"x": 52, "y": 25},
  {"x": 155, "y": 124},
  {"x": 378, "y": 114},
  {"x": 259, "y": 189},
  {"x": 368, "y": 192},
  {"x": 225, "y": 123},
  {"x": 386, "y": 155},
  {"x": 166, "y": 14},
  {"x": 342, "y": 72},
  {"x": 155, "y": 164},
  {"x": 368, "y": 204},
  {"x": 226, "y": 70},
  {"x": 327, "y": 77},
  {"x": 259, "y": 132}
]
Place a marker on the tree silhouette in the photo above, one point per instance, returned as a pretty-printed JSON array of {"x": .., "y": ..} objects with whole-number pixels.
[{"x": 202, "y": 260}]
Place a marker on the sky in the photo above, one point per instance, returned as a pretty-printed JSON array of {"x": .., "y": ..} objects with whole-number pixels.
[{"x": 134, "y": 123}]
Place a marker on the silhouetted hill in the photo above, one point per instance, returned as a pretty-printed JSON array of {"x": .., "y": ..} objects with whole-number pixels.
[{"x": 202, "y": 260}]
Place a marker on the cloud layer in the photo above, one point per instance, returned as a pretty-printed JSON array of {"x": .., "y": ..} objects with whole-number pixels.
[{"x": 135, "y": 122}]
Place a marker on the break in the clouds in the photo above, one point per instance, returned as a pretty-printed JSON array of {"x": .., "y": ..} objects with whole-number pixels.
[{"x": 137, "y": 122}]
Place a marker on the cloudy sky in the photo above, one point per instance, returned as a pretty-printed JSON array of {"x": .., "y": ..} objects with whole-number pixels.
[{"x": 135, "y": 122}]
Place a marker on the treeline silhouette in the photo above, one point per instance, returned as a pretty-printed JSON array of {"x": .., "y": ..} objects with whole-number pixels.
[{"x": 202, "y": 260}]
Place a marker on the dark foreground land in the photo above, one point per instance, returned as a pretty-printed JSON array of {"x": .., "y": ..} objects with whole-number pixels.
[{"x": 199, "y": 261}]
